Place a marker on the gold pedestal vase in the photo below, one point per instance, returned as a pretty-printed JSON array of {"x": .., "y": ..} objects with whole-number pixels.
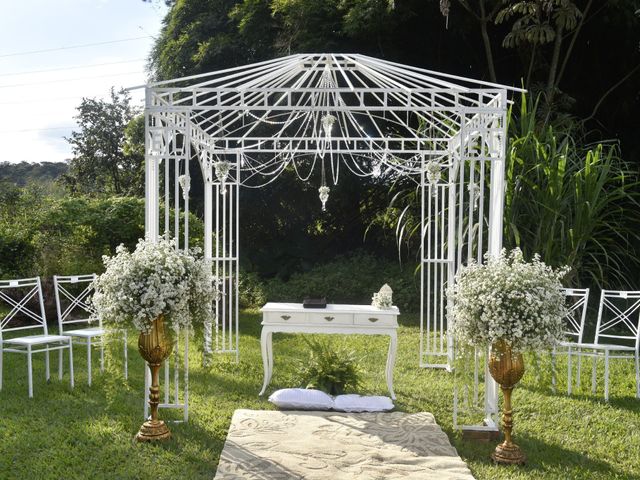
[
  {"x": 154, "y": 346},
  {"x": 506, "y": 368}
]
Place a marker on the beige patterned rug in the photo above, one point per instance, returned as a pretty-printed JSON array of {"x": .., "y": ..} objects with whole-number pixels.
[{"x": 284, "y": 445}]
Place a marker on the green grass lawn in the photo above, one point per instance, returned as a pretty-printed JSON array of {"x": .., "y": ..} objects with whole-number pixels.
[{"x": 87, "y": 433}]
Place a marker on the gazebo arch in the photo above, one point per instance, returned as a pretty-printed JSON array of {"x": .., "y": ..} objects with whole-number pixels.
[{"x": 245, "y": 125}]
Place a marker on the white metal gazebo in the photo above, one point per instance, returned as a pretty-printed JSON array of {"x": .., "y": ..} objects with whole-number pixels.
[{"x": 332, "y": 113}]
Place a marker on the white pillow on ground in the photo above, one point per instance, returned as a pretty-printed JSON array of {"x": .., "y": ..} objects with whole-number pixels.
[
  {"x": 358, "y": 403},
  {"x": 301, "y": 399}
]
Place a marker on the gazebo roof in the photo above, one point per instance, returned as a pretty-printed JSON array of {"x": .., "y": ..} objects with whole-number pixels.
[
  {"x": 347, "y": 104},
  {"x": 350, "y": 71}
]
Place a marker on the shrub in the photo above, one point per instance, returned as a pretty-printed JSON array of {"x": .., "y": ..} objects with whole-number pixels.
[
  {"x": 351, "y": 278},
  {"x": 251, "y": 290},
  {"x": 333, "y": 370},
  {"x": 573, "y": 203},
  {"x": 17, "y": 253}
]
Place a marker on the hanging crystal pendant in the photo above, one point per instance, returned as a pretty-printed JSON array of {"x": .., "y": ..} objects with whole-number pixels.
[
  {"x": 324, "y": 196},
  {"x": 327, "y": 124},
  {"x": 473, "y": 189},
  {"x": 222, "y": 169},
  {"x": 434, "y": 174},
  {"x": 377, "y": 169},
  {"x": 445, "y": 6},
  {"x": 185, "y": 184}
]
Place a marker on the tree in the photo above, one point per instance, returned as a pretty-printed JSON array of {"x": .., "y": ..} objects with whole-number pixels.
[
  {"x": 105, "y": 159},
  {"x": 545, "y": 22},
  {"x": 199, "y": 36}
]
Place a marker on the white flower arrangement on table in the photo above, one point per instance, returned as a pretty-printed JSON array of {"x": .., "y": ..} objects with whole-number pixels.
[
  {"x": 508, "y": 299},
  {"x": 155, "y": 279},
  {"x": 383, "y": 299}
]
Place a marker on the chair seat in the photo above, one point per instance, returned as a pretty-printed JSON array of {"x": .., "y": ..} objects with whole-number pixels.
[
  {"x": 604, "y": 346},
  {"x": 568, "y": 344},
  {"x": 86, "y": 332},
  {"x": 36, "y": 339}
]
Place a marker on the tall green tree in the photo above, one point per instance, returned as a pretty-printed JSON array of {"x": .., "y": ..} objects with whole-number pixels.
[{"x": 105, "y": 156}]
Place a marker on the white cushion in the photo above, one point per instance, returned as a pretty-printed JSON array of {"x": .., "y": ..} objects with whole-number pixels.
[
  {"x": 301, "y": 399},
  {"x": 357, "y": 403}
]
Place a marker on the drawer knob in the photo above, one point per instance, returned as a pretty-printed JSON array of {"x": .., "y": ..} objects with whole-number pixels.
[
  {"x": 285, "y": 317},
  {"x": 373, "y": 319},
  {"x": 329, "y": 319}
]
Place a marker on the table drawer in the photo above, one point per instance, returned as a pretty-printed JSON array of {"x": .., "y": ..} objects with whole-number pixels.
[
  {"x": 328, "y": 318},
  {"x": 283, "y": 317},
  {"x": 375, "y": 320}
]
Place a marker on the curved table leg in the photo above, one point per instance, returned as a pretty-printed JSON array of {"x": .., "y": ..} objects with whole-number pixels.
[
  {"x": 264, "y": 347},
  {"x": 391, "y": 360},
  {"x": 270, "y": 355}
]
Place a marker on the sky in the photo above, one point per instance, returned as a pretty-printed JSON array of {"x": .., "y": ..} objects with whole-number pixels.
[{"x": 53, "y": 53}]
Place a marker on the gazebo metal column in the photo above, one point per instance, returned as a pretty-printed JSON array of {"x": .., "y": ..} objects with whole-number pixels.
[{"x": 168, "y": 149}]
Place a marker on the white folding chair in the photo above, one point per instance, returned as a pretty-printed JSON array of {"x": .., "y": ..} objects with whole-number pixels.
[
  {"x": 74, "y": 310},
  {"x": 617, "y": 334},
  {"x": 577, "y": 302},
  {"x": 26, "y": 314}
]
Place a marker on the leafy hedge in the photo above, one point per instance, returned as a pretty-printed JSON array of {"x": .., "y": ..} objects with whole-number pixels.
[
  {"x": 70, "y": 235},
  {"x": 350, "y": 278}
]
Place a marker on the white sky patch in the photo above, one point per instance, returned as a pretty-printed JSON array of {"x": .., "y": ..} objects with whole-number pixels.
[{"x": 37, "y": 107}]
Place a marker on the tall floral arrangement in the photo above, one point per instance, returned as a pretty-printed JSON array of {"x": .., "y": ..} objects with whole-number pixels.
[
  {"x": 155, "y": 279},
  {"x": 510, "y": 300}
]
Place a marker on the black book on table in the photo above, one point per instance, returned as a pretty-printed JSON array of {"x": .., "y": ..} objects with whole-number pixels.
[{"x": 314, "y": 302}]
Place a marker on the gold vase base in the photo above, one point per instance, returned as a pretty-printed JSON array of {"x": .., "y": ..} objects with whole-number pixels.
[
  {"x": 153, "y": 431},
  {"x": 508, "y": 454}
]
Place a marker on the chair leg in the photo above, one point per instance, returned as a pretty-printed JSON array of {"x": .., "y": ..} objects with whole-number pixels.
[
  {"x": 637, "y": 373},
  {"x": 126, "y": 357},
  {"x": 553, "y": 370},
  {"x": 60, "y": 369},
  {"x": 569, "y": 372},
  {"x": 579, "y": 369},
  {"x": 46, "y": 363},
  {"x": 71, "y": 363},
  {"x": 89, "y": 361},
  {"x": 606, "y": 375},
  {"x": 29, "y": 371},
  {"x": 593, "y": 375},
  {"x": 1, "y": 355},
  {"x": 101, "y": 353}
]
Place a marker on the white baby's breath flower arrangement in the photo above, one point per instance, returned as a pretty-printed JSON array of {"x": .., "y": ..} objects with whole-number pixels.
[
  {"x": 508, "y": 299},
  {"x": 155, "y": 279}
]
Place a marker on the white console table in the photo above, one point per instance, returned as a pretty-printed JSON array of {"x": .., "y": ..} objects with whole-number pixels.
[{"x": 334, "y": 319}]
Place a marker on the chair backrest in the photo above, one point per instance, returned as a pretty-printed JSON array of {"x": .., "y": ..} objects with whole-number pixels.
[
  {"x": 619, "y": 318},
  {"x": 72, "y": 299},
  {"x": 577, "y": 303},
  {"x": 22, "y": 307}
]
